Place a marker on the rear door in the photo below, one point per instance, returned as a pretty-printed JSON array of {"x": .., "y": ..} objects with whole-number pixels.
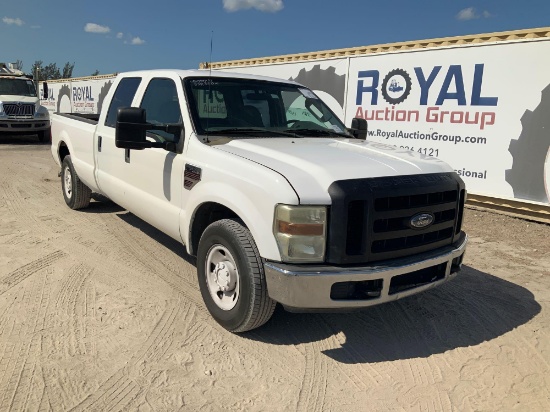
[{"x": 110, "y": 160}]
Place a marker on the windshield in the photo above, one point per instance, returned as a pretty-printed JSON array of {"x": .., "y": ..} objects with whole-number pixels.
[
  {"x": 239, "y": 107},
  {"x": 17, "y": 87}
]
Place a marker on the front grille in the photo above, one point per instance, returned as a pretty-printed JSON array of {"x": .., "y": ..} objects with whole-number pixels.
[
  {"x": 399, "y": 223},
  {"x": 372, "y": 219},
  {"x": 410, "y": 201},
  {"x": 22, "y": 109},
  {"x": 406, "y": 242}
]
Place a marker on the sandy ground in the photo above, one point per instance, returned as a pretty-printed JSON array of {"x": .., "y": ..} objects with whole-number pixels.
[{"x": 101, "y": 312}]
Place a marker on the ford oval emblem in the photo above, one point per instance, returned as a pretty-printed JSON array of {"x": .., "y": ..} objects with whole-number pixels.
[{"x": 421, "y": 220}]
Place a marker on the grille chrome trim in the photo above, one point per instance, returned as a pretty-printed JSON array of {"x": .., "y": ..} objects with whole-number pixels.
[{"x": 19, "y": 109}]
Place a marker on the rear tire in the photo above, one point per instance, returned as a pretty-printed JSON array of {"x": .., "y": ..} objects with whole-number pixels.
[
  {"x": 231, "y": 277},
  {"x": 77, "y": 195}
]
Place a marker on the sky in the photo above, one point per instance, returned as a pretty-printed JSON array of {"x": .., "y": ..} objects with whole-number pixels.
[{"x": 121, "y": 35}]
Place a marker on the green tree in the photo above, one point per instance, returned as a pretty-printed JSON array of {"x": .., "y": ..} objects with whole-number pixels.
[
  {"x": 67, "y": 70},
  {"x": 51, "y": 71}
]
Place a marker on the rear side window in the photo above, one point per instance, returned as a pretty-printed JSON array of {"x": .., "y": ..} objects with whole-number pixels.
[{"x": 123, "y": 97}]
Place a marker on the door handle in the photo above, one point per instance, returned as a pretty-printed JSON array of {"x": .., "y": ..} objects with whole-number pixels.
[{"x": 99, "y": 139}]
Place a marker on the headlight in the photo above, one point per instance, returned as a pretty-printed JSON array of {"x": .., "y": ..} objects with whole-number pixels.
[
  {"x": 1, "y": 108},
  {"x": 41, "y": 112},
  {"x": 301, "y": 233}
]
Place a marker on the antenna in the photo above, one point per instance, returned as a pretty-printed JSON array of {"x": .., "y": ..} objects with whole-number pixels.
[
  {"x": 211, "y": 47},
  {"x": 210, "y": 97}
]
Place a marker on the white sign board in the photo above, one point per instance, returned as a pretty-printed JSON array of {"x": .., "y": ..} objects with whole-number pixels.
[
  {"x": 477, "y": 108},
  {"x": 76, "y": 96}
]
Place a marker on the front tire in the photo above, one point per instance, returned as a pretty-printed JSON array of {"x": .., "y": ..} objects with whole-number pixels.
[
  {"x": 231, "y": 277},
  {"x": 77, "y": 195}
]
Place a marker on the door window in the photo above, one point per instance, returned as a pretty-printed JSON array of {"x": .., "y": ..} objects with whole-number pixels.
[{"x": 162, "y": 106}]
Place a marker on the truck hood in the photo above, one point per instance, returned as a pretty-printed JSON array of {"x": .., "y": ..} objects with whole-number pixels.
[{"x": 311, "y": 165}]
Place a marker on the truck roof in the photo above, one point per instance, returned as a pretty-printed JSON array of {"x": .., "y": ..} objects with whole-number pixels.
[{"x": 205, "y": 72}]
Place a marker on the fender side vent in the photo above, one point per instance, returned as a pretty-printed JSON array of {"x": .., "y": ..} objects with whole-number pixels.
[{"x": 191, "y": 177}]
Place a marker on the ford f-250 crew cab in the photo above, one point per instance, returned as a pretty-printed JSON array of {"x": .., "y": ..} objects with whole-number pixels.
[{"x": 262, "y": 183}]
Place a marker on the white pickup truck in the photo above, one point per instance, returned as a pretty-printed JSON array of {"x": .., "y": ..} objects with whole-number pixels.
[{"x": 262, "y": 183}]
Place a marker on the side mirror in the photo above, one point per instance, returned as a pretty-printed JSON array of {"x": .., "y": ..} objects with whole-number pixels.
[
  {"x": 359, "y": 128},
  {"x": 132, "y": 126},
  {"x": 45, "y": 90}
]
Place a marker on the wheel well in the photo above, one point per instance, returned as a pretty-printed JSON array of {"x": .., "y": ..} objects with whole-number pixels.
[
  {"x": 63, "y": 151},
  {"x": 206, "y": 214}
]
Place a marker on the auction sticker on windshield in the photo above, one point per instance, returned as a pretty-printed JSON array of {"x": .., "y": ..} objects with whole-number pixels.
[{"x": 308, "y": 93}]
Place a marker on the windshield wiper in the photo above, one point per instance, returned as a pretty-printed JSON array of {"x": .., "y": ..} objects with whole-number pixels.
[
  {"x": 310, "y": 132},
  {"x": 236, "y": 130}
]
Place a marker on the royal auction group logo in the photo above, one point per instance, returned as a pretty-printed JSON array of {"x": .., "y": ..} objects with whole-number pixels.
[
  {"x": 434, "y": 88},
  {"x": 396, "y": 86}
]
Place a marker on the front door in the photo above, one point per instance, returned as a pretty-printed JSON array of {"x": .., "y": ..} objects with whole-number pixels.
[{"x": 155, "y": 176}]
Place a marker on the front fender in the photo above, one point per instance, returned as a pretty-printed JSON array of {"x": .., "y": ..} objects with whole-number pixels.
[{"x": 254, "y": 209}]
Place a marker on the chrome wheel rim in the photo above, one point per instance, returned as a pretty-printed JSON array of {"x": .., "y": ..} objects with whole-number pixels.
[
  {"x": 222, "y": 277},
  {"x": 68, "y": 179}
]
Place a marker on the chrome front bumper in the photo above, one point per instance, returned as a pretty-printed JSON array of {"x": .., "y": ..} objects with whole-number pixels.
[{"x": 308, "y": 288}]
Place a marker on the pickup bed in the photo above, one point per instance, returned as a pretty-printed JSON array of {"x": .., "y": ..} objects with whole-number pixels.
[{"x": 277, "y": 199}]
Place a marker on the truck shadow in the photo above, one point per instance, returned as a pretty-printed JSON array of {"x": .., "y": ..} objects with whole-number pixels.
[
  {"x": 21, "y": 140},
  {"x": 101, "y": 204},
  {"x": 163, "y": 239},
  {"x": 474, "y": 308}
]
